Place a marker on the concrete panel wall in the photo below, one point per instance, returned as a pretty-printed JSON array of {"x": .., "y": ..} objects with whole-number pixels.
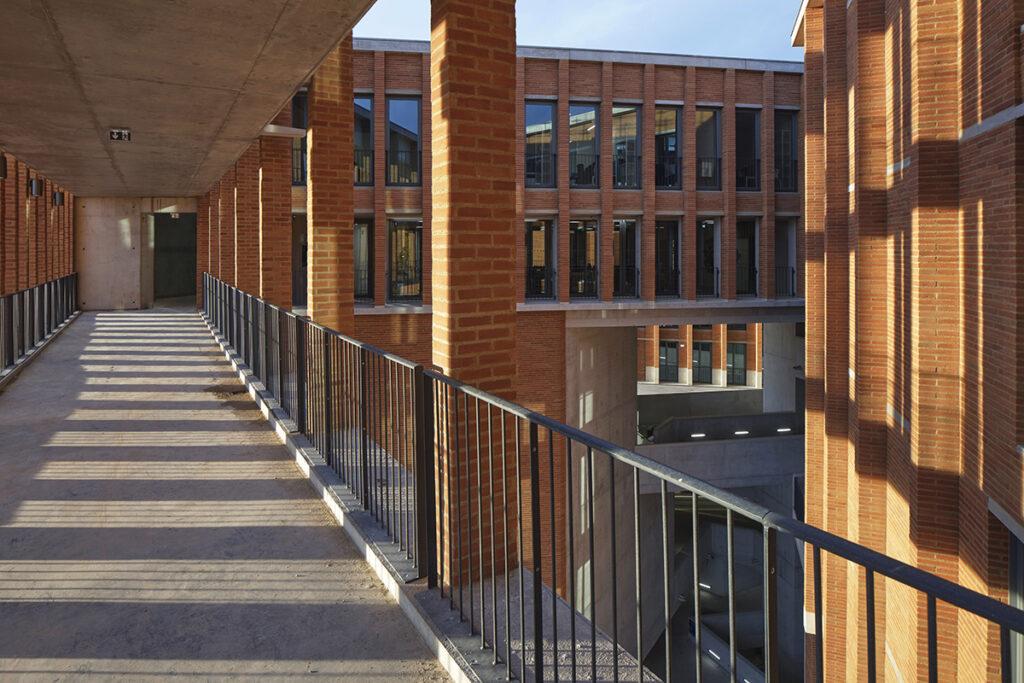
[{"x": 783, "y": 365}]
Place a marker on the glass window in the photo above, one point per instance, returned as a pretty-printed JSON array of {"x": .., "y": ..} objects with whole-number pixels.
[
  {"x": 540, "y": 280},
  {"x": 785, "y": 150},
  {"x": 624, "y": 248},
  {"x": 668, "y": 361},
  {"x": 362, "y": 136},
  {"x": 736, "y": 364},
  {"x": 362, "y": 249},
  {"x": 300, "y": 119},
  {"x": 666, "y": 258},
  {"x": 666, "y": 148},
  {"x": 403, "y": 141},
  {"x": 701, "y": 362},
  {"x": 709, "y": 145},
  {"x": 626, "y": 168},
  {"x": 583, "y": 155},
  {"x": 737, "y": 327},
  {"x": 748, "y": 149},
  {"x": 707, "y": 257},
  {"x": 405, "y": 261},
  {"x": 746, "y": 258},
  {"x": 540, "y": 144},
  {"x": 583, "y": 258}
]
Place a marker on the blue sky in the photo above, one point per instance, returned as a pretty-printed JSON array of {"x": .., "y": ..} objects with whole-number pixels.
[{"x": 728, "y": 28}]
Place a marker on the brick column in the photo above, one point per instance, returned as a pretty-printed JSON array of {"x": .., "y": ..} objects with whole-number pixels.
[
  {"x": 727, "y": 243},
  {"x": 426, "y": 142},
  {"x": 647, "y": 256},
  {"x": 247, "y": 216},
  {"x": 606, "y": 263},
  {"x": 686, "y": 354},
  {"x": 275, "y": 221},
  {"x": 653, "y": 369},
  {"x": 9, "y": 226},
  {"x": 202, "y": 244},
  {"x": 215, "y": 196},
  {"x": 228, "y": 264},
  {"x": 688, "y": 234},
  {"x": 564, "y": 211},
  {"x": 49, "y": 241},
  {"x": 766, "y": 237},
  {"x": 329, "y": 191},
  {"x": 380, "y": 166},
  {"x": 520, "y": 231},
  {"x": 719, "y": 343}
]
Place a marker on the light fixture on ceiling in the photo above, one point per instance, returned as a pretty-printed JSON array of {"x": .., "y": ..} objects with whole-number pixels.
[{"x": 58, "y": 198}]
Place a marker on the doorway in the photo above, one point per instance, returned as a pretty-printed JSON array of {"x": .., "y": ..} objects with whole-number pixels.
[
  {"x": 174, "y": 256},
  {"x": 668, "y": 361},
  {"x": 300, "y": 256}
]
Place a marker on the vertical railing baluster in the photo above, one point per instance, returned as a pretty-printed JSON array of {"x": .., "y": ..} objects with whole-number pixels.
[
  {"x": 770, "y": 580},
  {"x": 554, "y": 553},
  {"x": 425, "y": 514},
  {"x": 933, "y": 648},
  {"x": 667, "y": 557},
  {"x": 538, "y": 619},
  {"x": 591, "y": 563},
  {"x": 637, "y": 567},
  {"x": 491, "y": 533},
  {"x": 504, "y": 541},
  {"x": 696, "y": 587},
  {"x": 614, "y": 568},
  {"x": 480, "y": 525},
  {"x": 819, "y": 639},
  {"x": 730, "y": 579},
  {"x": 300, "y": 374},
  {"x": 570, "y": 545},
  {"x": 869, "y": 606}
]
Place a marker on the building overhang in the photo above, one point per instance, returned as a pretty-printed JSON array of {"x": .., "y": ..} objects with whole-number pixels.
[
  {"x": 796, "y": 37},
  {"x": 673, "y": 312}
]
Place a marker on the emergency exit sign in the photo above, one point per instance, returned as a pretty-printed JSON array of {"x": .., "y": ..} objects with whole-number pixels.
[{"x": 121, "y": 134}]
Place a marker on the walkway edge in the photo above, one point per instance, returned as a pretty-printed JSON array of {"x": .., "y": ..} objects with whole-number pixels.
[
  {"x": 11, "y": 374},
  {"x": 409, "y": 596}
]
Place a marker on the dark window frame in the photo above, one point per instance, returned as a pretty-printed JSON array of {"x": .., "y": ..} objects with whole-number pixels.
[
  {"x": 702, "y": 373},
  {"x": 748, "y": 169},
  {"x": 735, "y": 375},
  {"x": 584, "y": 279},
  {"x": 667, "y": 280},
  {"x": 627, "y": 168},
  {"x": 362, "y": 172},
  {"x": 552, "y": 156},
  {"x": 417, "y": 165},
  {"x": 787, "y": 179},
  {"x": 544, "y": 275},
  {"x": 626, "y": 276},
  {"x": 677, "y": 157},
  {"x": 712, "y": 165},
  {"x": 417, "y": 267},
  {"x": 595, "y": 172},
  {"x": 367, "y": 295}
]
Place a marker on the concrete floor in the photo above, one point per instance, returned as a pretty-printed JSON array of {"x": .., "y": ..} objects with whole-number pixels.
[{"x": 152, "y": 525}]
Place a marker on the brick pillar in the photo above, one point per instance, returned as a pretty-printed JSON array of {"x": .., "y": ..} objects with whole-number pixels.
[
  {"x": 9, "y": 226},
  {"x": 686, "y": 354},
  {"x": 564, "y": 211},
  {"x": 202, "y": 244},
  {"x": 32, "y": 233},
  {"x": 606, "y": 263},
  {"x": 46, "y": 253},
  {"x": 329, "y": 198},
  {"x": 228, "y": 264},
  {"x": 247, "y": 217},
  {"x": 652, "y": 371},
  {"x": 520, "y": 129},
  {"x": 215, "y": 231},
  {"x": 426, "y": 142},
  {"x": 275, "y": 221},
  {"x": 380, "y": 165},
  {"x": 688, "y": 236},
  {"x": 647, "y": 256},
  {"x": 727, "y": 244},
  {"x": 766, "y": 237},
  {"x": 719, "y": 344}
]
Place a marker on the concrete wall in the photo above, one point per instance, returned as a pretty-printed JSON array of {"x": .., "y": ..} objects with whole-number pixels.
[
  {"x": 783, "y": 365},
  {"x": 737, "y": 462},
  {"x": 114, "y": 249},
  {"x": 656, "y": 408}
]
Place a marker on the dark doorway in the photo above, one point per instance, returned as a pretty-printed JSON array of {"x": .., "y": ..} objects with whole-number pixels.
[
  {"x": 174, "y": 255},
  {"x": 668, "y": 361},
  {"x": 299, "y": 260}
]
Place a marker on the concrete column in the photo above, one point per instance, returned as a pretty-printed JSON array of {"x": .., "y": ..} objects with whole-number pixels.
[
  {"x": 247, "y": 216},
  {"x": 275, "y": 221},
  {"x": 329, "y": 200}
]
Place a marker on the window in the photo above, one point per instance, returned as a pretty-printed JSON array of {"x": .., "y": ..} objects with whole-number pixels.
[
  {"x": 405, "y": 260},
  {"x": 702, "y": 362},
  {"x": 736, "y": 327},
  {"x": 540, "y": 144},
  {"x": 668, "y": 361},
  {"x": 666, "y": 258},
  {"x": 583, "y": 259},
  {"x": 667, "y": 165},
  {"x": 624, "y": 248},
  {"x": 403, "y": 141},
  {"x": 626, "y": 168},
  {"x": 736, "y": 364},
  {"x": 362, "y": 136},
  {"x": 785, "y": 150},
  {"x": 300, "y": 119},
  {"x": 709, "y": 144},
  {"x": 540, "y": 280},
  {"x": 707, "y": 257},
  {"x": 748, "y": 149},
  {"x": 746, "y": 258},
  {"x": 583, "y": 157},
  {"x": 362, "y": 249}
]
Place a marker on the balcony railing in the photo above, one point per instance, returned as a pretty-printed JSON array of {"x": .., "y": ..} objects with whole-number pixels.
[
  {"x": 746, "y": 282},
  {"x": 666, "y": 282},
  {"x": 748, "y": 174},
  {"x": 709, "y": 173},
  {"x": 30, "y": 315},
  {"x": 539, "y": 170},
  {"x": 363, "y": 283},
  {"x": 627, "y": 170},
  {"x": 786, "y": 176},
  {"x": 363, "y": 159},
  {"x": 627, "y": 282},
  {"x": 666, "y": 173},
  {"x": 702, "y": 374},
  {"x": 540, "y": 282},
  {"x": 404, "y": 167},
  {"x": 463, "y": 482},
  {"x": 583, "y": 282},
  {"x": 583, "y": 169},
  {"x": 707, "y": 282},
  {"x": 785, "y": 282},
  {"x": 299, "y": 161},
  {"x": 406, "y": 283}
]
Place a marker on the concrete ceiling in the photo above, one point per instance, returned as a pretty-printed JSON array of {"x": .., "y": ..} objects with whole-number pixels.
[{"x": 195, "y": 81}]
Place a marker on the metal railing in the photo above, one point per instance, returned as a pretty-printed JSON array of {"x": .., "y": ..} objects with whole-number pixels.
[
  {"x": 363, "y": 163},
  {"x": 627, "y": 170},
  {"x": 708, "y": 282},
  {"x": 564, "y": 553},
  {"x": 786, "y": 175},
  {"x": 666, "y": 282},
  {"x": 583, "y": 282},
  {"x": 405, "y": 282},
  {"x": 709, "y": 173},
  {"x": 666, "y": 172},
  {"x": 29, "y": 315},
  {"x": 746, "y": 282},
  {"x": 785, "y": 281},
  {"x": 363, "y": 277},
  {"x": 539, "y": 169},
  {"x": 748, "y": 174},
  {"x": 626, "y": 281},
  {"x": 540, "y": 282},
  {"x": 299, "y": 161},
  {"x": 404, "y": 167},
  {"x": 584, "y": 169}
]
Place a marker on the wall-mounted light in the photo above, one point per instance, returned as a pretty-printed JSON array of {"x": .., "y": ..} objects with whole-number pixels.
[
  {"x": 58, "y": 198},
  {"x": 3, "y": 166},
  {"x": 35, "y": 187}
]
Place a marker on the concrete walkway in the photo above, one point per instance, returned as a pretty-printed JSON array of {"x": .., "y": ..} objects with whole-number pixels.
[{"x": 152, "y": 525}]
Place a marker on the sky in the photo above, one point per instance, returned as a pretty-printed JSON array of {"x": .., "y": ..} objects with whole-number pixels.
[{"x": 724, "y": 28}]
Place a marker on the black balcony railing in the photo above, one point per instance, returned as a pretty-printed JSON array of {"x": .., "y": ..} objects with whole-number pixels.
[
  {"x": 539, "y": 170},
  {"x": 627, "y": 170},
  {"x": 299, "y": 161},
  {"x": 627, "y": 282},
  {"x": 583, "y": 169},
  {"x": 748, "y": 174},
  {"x": 666, "y": 282},
  {"x": 746, "y": 282},
  {"x": 786, "y": 176},
  {"x": 405, "y": 282},
  {"x": 666, "y": 173},
  {"x": 583, "y": 282},
  {"x": 540, "y": 282},
  {"x": 29, "y": 316},
  {"x": 363, "y": 161},
  {"x": 785, "y": 281},
  {"x": 707, "y": 282},
  {"x": 404, "y": 167},
  {"x": 709, "y": 173},
  {"x": 463, "y": 482},
  {"x": 363, "y": 283},
  {"x": 702, "y": 373}
]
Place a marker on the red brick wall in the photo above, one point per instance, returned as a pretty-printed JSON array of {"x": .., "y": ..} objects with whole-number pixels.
[
  {"x": 275, "y": 221},
  {"x": 247, "y": 197}
]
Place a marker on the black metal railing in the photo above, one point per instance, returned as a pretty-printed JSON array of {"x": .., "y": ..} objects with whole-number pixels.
[
  {"x": 539, "y": 169},
  {"x": 29, "y": 316},
  {"x": 708, "y": 282},
  {"x": 666, "y": 173},
  {"x": 785, "y": 281},
  {"x": 666, "y": 282},
  {"x": 540, "y": 282},
  {"x": 299, "y": 161},
  {"x": 583, "y": 282},
  {"x": 786, "y": 175},
  {"x": 626, "y": 281},
  {"x": 627, "y": 170},
  {"x": 746, "y": 282},
  {"x": 404, "y": 167},
  {"x": 583, "y": 169},
  {"x": 363, "y": 162},
  {"x": 709, "y": 173},
  {"x": 748, "y": 174},
  {"x": 702, "y": 373},
  {"x": 503, "y": 509},
  {"x": 405, "y": 282},
  {"x": 363, "y": 277}
]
